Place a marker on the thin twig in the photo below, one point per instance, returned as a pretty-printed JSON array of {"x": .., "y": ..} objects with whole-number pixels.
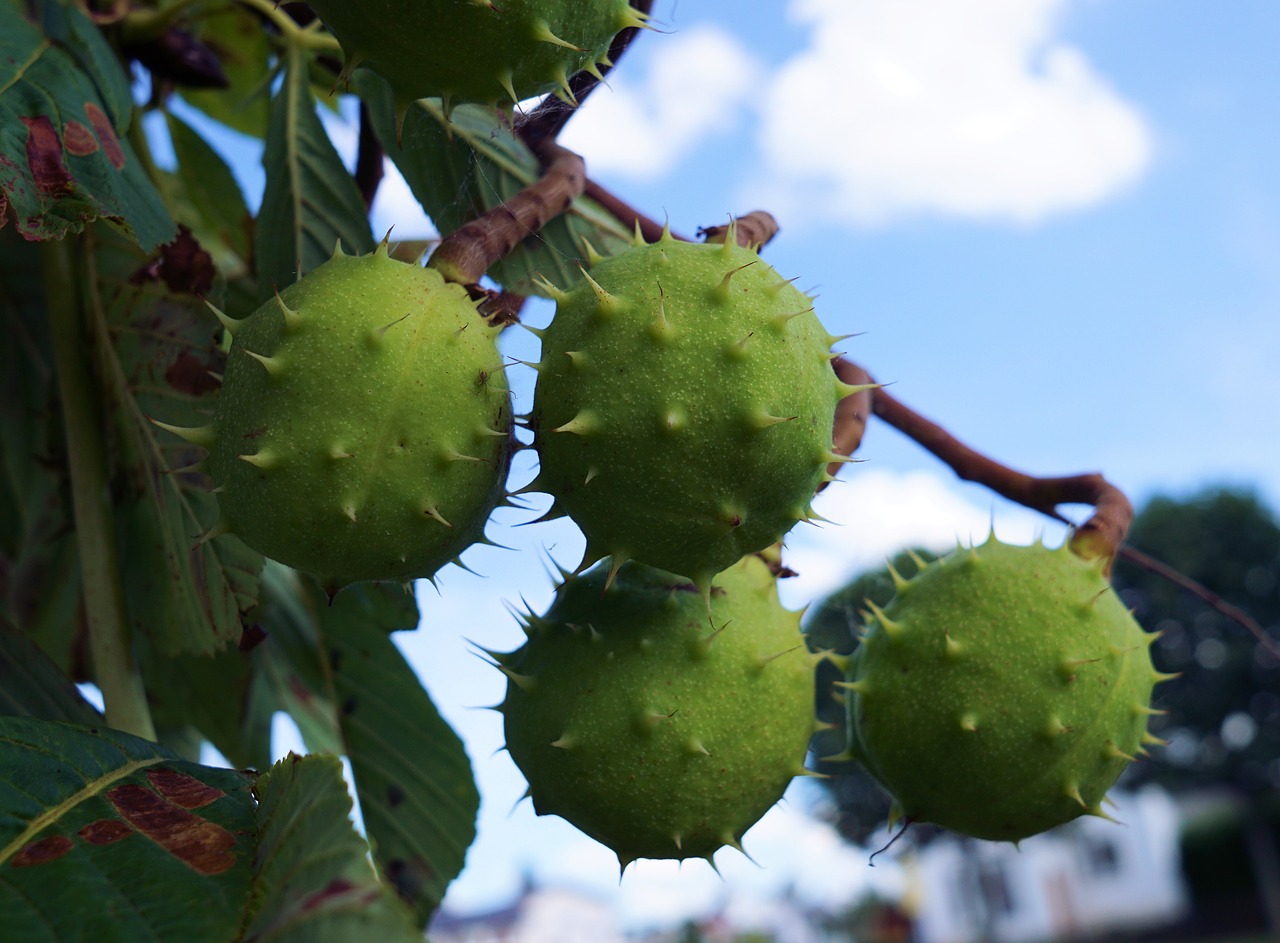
[
  {"x": 369, "y": 163},
  {"x": 1100, "y": 536},
  {"x": 628, "y": 215},
  {"x": 1203, "y": 593}
]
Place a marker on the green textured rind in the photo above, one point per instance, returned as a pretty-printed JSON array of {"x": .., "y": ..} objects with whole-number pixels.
[
  {"x": 1001, "y": 690},
  {"x": 684, "y": 421},
  {"x": 635, "y": 725},
  {"x": 385, "y": 402},
  {"x": 467, "y": 51}
]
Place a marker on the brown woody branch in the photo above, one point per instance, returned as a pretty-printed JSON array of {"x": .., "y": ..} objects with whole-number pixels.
[
  {"x": 468, "y": 252},
  {"x": 1099, "y": 537},
  {"x": 752, "y": 231}
]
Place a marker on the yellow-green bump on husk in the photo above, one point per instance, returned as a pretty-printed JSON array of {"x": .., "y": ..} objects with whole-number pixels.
[
  {"x": 648, "y": 728},
  {"x": 476, "y": 50},
  {"x": 362, "y": 431},
  {"x": 684, "y": 405},
  {"x": 1002, "y": 691}
]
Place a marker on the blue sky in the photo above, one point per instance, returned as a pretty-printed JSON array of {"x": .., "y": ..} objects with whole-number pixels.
[{"x": 1054, "y": 226}]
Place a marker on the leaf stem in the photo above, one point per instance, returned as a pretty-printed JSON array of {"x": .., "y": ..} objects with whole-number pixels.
[
  {"x": 114, "y": 669},
  {"x": 307, "y": 37}
]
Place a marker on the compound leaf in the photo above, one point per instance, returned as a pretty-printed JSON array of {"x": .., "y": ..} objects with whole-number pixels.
[
  {"x": 185, "y": 595},
  {"x": 31, "y": 685},
  {"x": 313, "y": 874},
  {"x": 472, "y": 162},
  {"x": 65, "y": 107},
  {"x": 108, "y": 837},
  {"x": 234, "y": 33},
  {"x": 310, "y": 203}
]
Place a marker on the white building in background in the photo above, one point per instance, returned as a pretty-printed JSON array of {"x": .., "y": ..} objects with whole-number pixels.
[
  {"x": 542, "y": 915},
  {"x": 1089, "y": 876}
]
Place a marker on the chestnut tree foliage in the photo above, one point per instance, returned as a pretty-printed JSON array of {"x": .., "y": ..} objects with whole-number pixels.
[{"x": 112, "y": 570}]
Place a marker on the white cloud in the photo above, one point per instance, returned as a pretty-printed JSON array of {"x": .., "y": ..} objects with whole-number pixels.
[
  {"x": 975, "y": 109},
  {"x": 395, "y": 208},
  {"x": 876, "y": 513},
  {"x": 641, "y": 126}
]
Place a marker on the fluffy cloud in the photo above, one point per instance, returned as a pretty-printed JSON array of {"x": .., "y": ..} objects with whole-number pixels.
[
  {"x": 874, "y": 514},
  {"x": 930, "y": 106},
  {"x": 642, "y": 125}
]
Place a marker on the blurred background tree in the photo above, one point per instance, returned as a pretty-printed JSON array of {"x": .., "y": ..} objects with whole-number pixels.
[
  {"x": 1223, "y": 712},
  {"x": 1223, "y": 720}
]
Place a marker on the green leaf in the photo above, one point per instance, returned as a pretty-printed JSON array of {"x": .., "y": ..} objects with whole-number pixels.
[
  {"x": 234, "y": 32},
  {"x": 310, "y": 203},
  {"x": 218, "y": 216},
  {"x": 287, "y": 671},
  {"x": 413, "y": 777},
  {"x": 31, "y": 685},
  {"x": 108, "y": 837},
  {"x": 472, "y": 163},
  {"x": 207, "y": 693},
  {"x": 313, "y": 875},
  {"x": 39, "y": 569},
  {"x": 185, "y": 596},
  {"x": 64, "y": 110}
]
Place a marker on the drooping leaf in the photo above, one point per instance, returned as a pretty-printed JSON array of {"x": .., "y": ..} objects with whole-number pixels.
[
  {"x": 310, "y": 203},
  {"x": 413, "y": 777},
  {"x": 313, "y": 876},
  {"x": 287, "y": 671},
  {"x": 217, "y": 215},
  {"x": 31, "y": 685},
  {"x": 183, "y": 595},
  {"x": 473, "y": 162},
  {"x": 108, "y": 837},
  {"x": 235, "y": 34},
  {"x": 65, "y": 107},
  {"x": 39, "y": 562},
  {"x": 207, "y": 694},
  {"x": 335, "y": 671}
]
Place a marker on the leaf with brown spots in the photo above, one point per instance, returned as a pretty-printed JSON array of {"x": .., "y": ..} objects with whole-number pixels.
[
  {"x": 108, "y": 837},
  {"x": 184, "y": 596},
  {"x": 64, "y": 108}
]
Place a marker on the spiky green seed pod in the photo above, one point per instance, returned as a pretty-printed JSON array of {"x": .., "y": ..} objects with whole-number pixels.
[
  {"x": 476, "y": 50},
  {"x": 649, "y": 729},
  {"x": 684, "y": 405},
  {"x": 1002, "y": 691},
  {"x": 362, "y": 431}
]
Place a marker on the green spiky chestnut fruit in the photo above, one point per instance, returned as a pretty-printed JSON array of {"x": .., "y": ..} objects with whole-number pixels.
[
  {"x": 362, "y": 431},
  {"x": 476, "y": 50},
  {"x": 684, "y": 405},
  {"x": 1002, "y": 691},
  {"x": 648, "y": 728}
]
